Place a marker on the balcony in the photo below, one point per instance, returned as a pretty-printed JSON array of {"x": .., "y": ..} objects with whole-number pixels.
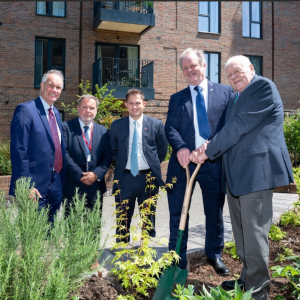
[
  {"x": 123, "y": 74},
  {"x": 128, "y": 16}
]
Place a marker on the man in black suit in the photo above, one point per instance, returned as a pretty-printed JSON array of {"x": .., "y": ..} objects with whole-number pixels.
[
  {"x": 186, "y": 131},
  {"x": 150, "y": 152},
  {"x": 88, "y": 153}
]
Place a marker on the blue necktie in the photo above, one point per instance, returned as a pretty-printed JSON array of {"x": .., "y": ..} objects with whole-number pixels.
[
  {"x": 134, "y": 166},
  {"x": 204, "y": 129},
  {"x": 87, "y": 150}
]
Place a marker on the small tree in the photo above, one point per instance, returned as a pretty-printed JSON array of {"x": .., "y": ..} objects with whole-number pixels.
[
  {"x": 108, "y": 104},
  {"x": 291, "y": 127}
]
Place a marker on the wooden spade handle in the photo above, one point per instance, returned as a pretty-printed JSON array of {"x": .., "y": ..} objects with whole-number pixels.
[{"x": 187, "y": 196}]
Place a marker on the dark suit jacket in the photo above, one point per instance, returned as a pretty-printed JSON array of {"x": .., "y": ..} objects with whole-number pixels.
[
  {"x": 255, "y": 156},
  {"x": 32, "y": 148},
  {"x": 101, "y": 158},
  {"x": 180, "y": 130},
  {"x": 154, "y": 145}
]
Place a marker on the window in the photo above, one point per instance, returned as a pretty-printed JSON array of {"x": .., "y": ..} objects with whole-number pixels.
[
  {"x": 212, "y": 72},
  {"x": 252, "y": 19},
  {"x": 49, "y": 54},
  {"x": 51, "y": 8},
  {"x": 256, "y": 61},
  {"x": 209, "y": 16},
  {"x": 118, "y": 63}
]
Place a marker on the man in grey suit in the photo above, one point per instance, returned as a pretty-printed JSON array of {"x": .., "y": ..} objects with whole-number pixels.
[
  {"x": 255, "y": 160},
  {"x": 131, "y": 171}
]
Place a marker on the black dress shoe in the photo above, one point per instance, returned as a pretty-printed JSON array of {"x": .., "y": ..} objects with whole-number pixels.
[
  {"x": 219, "y": 266},
  {"x": 229, "y": 284}
]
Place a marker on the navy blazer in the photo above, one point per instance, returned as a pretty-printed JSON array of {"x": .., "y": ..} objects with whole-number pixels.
[
  {"x": 31, "y": 146},
  {"x": 155, "y": 145},
  {"x": 255, "y": 156},
  {"x": 101, "y": 158},
  {"x": 180, "y": 130}
]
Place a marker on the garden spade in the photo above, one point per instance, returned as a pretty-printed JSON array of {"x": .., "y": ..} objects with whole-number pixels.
[{"x": 173, "y": 275}]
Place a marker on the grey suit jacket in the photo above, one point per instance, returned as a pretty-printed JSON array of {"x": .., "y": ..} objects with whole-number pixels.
[
  {"x": 154, "y": 145},
  {"x": 255, "y": 156}
]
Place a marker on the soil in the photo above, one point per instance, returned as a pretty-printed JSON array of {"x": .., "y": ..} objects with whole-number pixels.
[{"x": 201, "y": 273}]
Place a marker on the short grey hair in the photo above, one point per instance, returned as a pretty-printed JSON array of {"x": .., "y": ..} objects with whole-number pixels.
[
  {"x": 241, "y": 58},
  {"x": 87, "y": 96},
  {"x": 198, "y": 52},
  {"x": 53, "y": 71}
]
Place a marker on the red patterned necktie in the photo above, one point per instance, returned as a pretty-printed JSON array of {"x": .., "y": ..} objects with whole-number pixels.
[{"x": 55, "y": 138}]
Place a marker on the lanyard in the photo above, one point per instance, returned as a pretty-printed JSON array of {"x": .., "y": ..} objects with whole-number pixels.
[{"x": 89, "y": 145}]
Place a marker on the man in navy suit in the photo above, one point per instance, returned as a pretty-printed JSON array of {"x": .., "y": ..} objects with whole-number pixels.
[
  {"x": 151, "y": 151},
  {"x": 88, "y": 153},
  {"x": 37, "y": 149},
  {"x": 255, "y": 160},
  {"x": 184, "y": 136}
]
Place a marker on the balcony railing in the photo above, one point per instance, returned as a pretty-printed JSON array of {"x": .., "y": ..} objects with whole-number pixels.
[
  {"x": 143, "y": 7},
  {"x": 121, "y": 74}
]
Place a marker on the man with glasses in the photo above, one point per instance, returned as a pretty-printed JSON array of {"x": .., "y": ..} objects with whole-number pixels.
[{"x": 255, "y": 161}]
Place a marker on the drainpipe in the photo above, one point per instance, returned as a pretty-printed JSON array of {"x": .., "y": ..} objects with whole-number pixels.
[{"x": 80, "y": 47}]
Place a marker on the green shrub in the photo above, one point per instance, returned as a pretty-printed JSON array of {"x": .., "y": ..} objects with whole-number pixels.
[
  {"x": 136, "y": 267},
  {"x": 230, "y": 248},
  {"x": 276, "y": 234},
  {"x": 296, "y": 173},
  {"x": 291, "y": 127},
  {"x": 290, "y": 217},
  {"x": 38, "y": 261},
  {"x": 5, "y": 162}
]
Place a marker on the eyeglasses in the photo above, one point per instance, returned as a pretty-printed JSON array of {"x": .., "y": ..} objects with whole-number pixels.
[{"x": 234, "y": 74}]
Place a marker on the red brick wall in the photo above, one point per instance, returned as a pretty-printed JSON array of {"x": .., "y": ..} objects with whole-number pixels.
[{"x": 176, "y": 28}]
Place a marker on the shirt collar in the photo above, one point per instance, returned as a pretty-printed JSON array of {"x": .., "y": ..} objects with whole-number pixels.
[
  {"x": 46, "y": 105},
  {"x": 138, "y": 121},
  {"x": 82, "y": 124},
  {"x": 203, "y": 84}
]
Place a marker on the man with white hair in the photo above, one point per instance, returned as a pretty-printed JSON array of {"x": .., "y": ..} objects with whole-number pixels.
[
  {"x": 255, "y": 161},
  {"x": 37, "y": 148}
]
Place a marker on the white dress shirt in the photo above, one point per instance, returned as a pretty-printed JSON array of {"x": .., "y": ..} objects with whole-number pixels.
[
  {"x": 82, "y": 127},
  {"x": 46, "y": 107},
  {"x": 199, "y": 140},
  {"x": 143, "y": 165}
]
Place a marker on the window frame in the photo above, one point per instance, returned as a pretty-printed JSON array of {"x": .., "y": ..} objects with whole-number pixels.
[
  {"x": 208, "y": 65},
  {"x": 253, "y": 22},
  {"x": 261, "y": 62},
  {"x": 209, "y": 16},
  {"x": 50, "y": 8},
  {"x": 37, "y": 80}
]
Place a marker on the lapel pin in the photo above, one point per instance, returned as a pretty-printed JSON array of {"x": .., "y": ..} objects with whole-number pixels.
[
  {"x": 145, "y": 128},
  {"x": 211, "y": 90}
]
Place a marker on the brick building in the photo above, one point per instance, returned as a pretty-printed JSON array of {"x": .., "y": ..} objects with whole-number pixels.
[{"x": 137, "y": 44}]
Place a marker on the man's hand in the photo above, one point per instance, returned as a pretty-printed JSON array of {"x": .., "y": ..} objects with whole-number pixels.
[
  {"x": 88, "y": 178},
  {"x": 198, "y": 157},
  {"x": 34, "y": 193},
  {"x": 203, "y": 147},
  {"x": 183, "y": 156}
]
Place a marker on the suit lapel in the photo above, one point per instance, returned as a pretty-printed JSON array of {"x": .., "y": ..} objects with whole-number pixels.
[
  {"x": 145, "y": 132},
  {"x": 95, "y": 140},
  {"x": 78, "y": 133},
  {"x": 125, "y": 132},
  {"x": 210, "y": 100},
  {"x": 189, "y": 103},
  {"x": 43, "y": 115}
]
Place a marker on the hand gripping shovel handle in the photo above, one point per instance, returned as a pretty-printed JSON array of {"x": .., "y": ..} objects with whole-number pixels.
[{"x": 185, "y": 206}]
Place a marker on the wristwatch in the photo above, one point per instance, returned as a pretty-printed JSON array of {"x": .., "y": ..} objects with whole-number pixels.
[{"x": 97, "y": 178}]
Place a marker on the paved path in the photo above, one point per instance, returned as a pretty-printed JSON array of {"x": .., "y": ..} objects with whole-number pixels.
[{"x": 281, "y": 203}]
